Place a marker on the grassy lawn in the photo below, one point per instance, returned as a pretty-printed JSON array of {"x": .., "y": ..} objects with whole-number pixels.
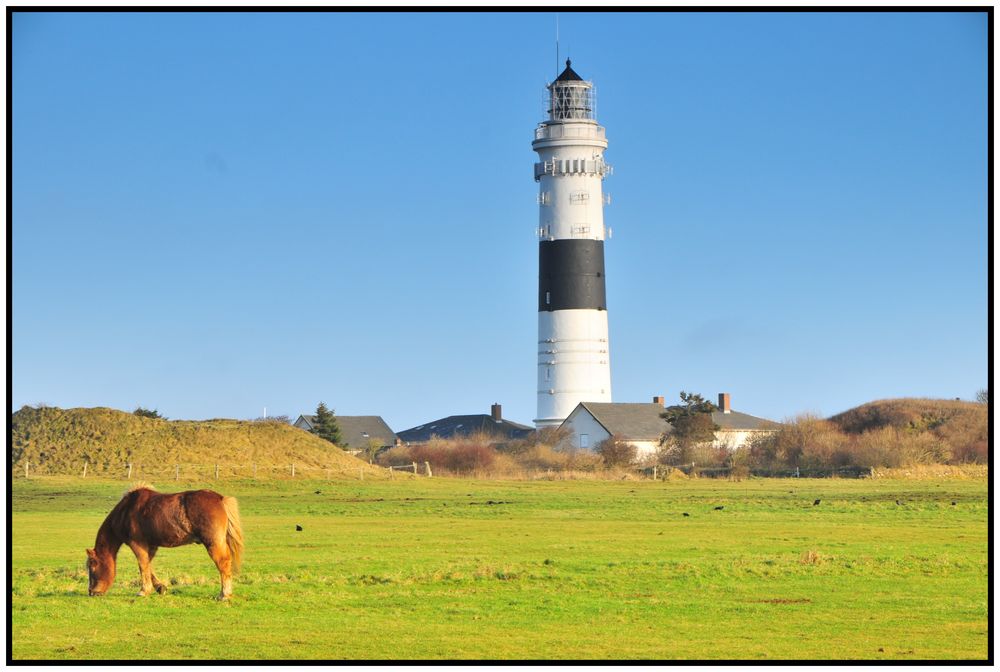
[{"x": 461, "y": 569}]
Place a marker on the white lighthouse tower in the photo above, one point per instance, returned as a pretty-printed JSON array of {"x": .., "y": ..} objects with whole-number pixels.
[{"x": 573, "y": 353}]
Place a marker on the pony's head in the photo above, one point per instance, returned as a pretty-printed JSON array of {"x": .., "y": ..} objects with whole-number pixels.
[{"x": 100, "y": 573}]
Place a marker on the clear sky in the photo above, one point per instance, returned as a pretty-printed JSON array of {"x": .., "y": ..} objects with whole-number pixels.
[{"x": 215, "y": 213}]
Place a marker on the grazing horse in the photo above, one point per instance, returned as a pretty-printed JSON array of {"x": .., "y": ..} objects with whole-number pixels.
[{"x": 145, "y": 520}]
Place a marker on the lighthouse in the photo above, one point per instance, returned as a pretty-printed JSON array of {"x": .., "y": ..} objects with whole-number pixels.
[{"x": 573, "y": 354}]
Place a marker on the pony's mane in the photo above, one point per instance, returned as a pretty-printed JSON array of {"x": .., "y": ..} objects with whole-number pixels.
[{"x": 139, "y": 485}]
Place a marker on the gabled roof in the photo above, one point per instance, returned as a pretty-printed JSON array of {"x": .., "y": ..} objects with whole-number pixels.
[
  {"x": 639, "y": 422},
  {"x": 464, "y": 425},
  {"x": 735, "y": 420},
  {"x": 357, "y": 430},
  {"x": 642, "y": 422}
]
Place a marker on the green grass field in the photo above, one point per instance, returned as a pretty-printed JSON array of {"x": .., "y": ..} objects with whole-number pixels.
[{"x": 461, "y": 569}]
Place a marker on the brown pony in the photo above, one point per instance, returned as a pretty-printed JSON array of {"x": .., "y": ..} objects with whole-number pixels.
[{"x": 145, "y": 520}]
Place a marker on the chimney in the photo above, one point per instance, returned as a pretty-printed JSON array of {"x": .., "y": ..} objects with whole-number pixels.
[
  {"x": 724, "y": 402},
  {"x": 659, "y": 400},
  {"x": 495, "y": 411}
]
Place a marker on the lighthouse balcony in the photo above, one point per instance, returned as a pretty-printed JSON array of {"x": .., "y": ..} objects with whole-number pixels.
[{"x": 584, "y": 131}]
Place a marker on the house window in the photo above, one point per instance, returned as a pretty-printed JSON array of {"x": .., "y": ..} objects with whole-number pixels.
[
  {"x": 548, "y": 298},
  {"x": 585, "y": 440}
]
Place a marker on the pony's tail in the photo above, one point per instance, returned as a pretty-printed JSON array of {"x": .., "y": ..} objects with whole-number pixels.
[{"x": 234, "y": 531}]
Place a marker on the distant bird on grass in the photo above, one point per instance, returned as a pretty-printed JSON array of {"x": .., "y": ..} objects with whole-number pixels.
[
  {"x": 816, "y": 503},
  {"x": 298, "y": 528},
  {"x": 686, "y": 514},
  {"x": 898, "y": 503},
  {"x": 719, "y": 508},
  {"x": 954, "y": 503},
  {"x": 318, "y": 492}
]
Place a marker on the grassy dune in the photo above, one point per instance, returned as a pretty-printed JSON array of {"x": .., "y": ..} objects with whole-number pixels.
[
  {"x": 464, "y": 569},
  {"x": 914, "y": 414},
  {"x": 58, "y": 441}
]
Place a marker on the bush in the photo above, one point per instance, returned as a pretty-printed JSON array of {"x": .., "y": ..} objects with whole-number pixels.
[
  {"x": 966, "y": 437},
  {"x": 146, "y": 413},
  {"x": 542, "y": 457},
  {"x": 616, "y": 451},
  {"x": 546, "y": 436},
  {"x": 460, "y": 456},
  {"x": 275, "y": 419}
]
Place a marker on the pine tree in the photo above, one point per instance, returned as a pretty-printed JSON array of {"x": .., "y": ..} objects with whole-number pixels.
[
  {"x": 326, "y": 426},
  {"x": 690, "y": 425}
]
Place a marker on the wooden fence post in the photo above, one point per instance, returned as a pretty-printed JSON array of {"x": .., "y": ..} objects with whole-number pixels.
[
  {"x": 414, "y": 468},
  {"x": 390, "y": 472},
  {"x": 25, "y": 468},
  {"x": 216, "y": 472},
  {"x": 85, "y": 469},
  {"x": 428, "y": 465},
  {"x": 293, "y": 470},
  {"x": 130, "y": 471},
  {"x": 654, "y": 472}
]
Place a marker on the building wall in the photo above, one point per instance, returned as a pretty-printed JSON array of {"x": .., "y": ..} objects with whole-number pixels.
[
  {"x": 301, "y": 424},
  {"x": 580, "y": 423},
  {"x": 731, "y": 439},
  {"x": 645, "y": 448}
]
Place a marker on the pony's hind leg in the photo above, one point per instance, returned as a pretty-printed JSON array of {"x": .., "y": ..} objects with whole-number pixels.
[
  {"x": 223, "y": 559},
  {"x": 161, "y": 587}
]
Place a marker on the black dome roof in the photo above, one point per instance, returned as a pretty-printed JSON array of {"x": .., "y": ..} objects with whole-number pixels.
[{"x": 568, "y": 75}]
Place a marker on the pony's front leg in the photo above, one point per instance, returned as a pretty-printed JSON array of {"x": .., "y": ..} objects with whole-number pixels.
[
  {"x": 224, "y": 561},
  {"x": 160, "y": 587},
  {"x": 143, "y": 555}
]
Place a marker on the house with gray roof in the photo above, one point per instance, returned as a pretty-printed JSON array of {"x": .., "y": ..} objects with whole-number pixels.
[
  {"x": 590, "y": 423},
  {"x": 356, "y": 431},
  {"x": 493, "y": 426}
]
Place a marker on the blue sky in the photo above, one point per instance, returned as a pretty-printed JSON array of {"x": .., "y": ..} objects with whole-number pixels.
[{"x": 218, "y": 212}]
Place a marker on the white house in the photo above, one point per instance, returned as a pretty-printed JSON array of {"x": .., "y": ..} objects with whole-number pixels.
[
  {"x": 590, "y": 423},
  {"x": 357, "y": 431}
]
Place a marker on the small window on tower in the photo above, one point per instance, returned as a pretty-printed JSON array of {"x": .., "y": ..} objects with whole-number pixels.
[
  {"x": 548, "y": 298},
  {"x": 548, "y": 373},
  {"x": 579, "y": 197}
]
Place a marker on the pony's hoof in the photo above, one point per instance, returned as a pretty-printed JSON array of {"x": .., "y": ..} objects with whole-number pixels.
[
  {"x": 142, "y": 593},
  {"x": 223, "y": 598},
  {"x": 161, "y": 589}
]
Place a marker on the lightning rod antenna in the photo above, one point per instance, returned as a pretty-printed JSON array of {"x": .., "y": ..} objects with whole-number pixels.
[{"x": 557, "y": 44}]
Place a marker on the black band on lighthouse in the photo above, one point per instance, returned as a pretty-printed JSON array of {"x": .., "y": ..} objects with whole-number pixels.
[{"x": 571, "y": 275}]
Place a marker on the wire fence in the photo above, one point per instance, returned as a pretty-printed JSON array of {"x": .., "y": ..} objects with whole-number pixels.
[
  {"x": 291, "y": 470},
  {"x": 214, "y": 471},
  {"x": 662, "y": 471},
  {"x": 221, "y": 471}
]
